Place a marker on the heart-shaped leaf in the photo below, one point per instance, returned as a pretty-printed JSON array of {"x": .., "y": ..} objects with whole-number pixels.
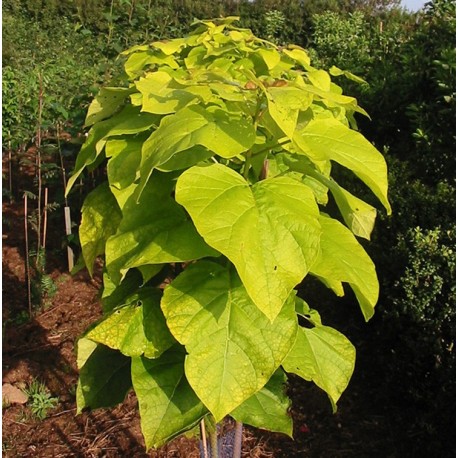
[
  {"x": 155, "y": 230},
  {"x": 350, "y": 149},
  {"x": 100, "y": 219},
  {"x": 104, "y": 376},
  {"x": 324, "y": 356},
  {"x": 343, "y": 259},
  {"x": 268, "y": 408},
  {"x": 233, "y": 349},
  {"x": 136, "y": 329},
  {"x": 168, "y": 406},
  {"x": 270, "y": 231}
]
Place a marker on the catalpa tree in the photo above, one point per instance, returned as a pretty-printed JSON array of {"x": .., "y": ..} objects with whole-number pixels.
[{"x": 219, "y": 151}]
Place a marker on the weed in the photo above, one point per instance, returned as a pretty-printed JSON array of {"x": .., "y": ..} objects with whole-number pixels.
[
  {"x": 72, "y": 390},
  {"x": 6, "y": 446},
  {"x": 19, "y": 319},
  {"x": 43, "y": 286},
  {"x": 23, "y": 416},
  {"x": 40, "y": 400},
  {"x": 5, "y": 403}
]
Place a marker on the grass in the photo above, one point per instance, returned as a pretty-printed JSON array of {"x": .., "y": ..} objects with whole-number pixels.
[{"x": 40, "y": 399}]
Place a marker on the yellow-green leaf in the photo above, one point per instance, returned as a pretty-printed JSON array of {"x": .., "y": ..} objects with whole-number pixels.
[
  {"x": 270, "y": 231},
  {"x": 100, "y": 220},
  {"x": 168, "y": 406},
  {"x": 233, "y": 349},
  {"x": 136, "y": 329},
  {"x": 268, "y": 408},
  {"x": 350, "y": 149},
  {"x": 325, "y": 356},
  {"x": 343, "y": 259}
]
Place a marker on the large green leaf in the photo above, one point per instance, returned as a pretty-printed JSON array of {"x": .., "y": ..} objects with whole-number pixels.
[
  {"x": 149, "y": 271},
  {"x": 270, "y": 56},
  {"x": 136, "y": 329},
  {"x": 168, "y": 406},
  {"x": 104, "y": 377},
  {"x": 226, "y": 134},
  {"x": 114, "y": 295},
  {"x": 155, "y": 230},
  {"x": 169, "y": 47},
  {"x": 107, "y": 102},
  {"x": 320, "y": 79},
  {"x": 233, "y": 349},
  {"x": 139, "y": 61},
  {"x": 268, "y": 408},
  {"x": 270, "y": 231},
  {"x": 129, "y": 121},
  {"x": 284, "y": 104},
  {"x": 124, "y": 159},
  {"x": 185, "y": 159},
  {"x": 100, "y": 219},
  {"x": 350, "y": 149},
  {"x": 163, "y": 95},
  {"x": 299, "y": 55},
  {"x": 343, "y": 259},
  {"x": 357, "y": 214},
  {"x": 324, "y": 356}
]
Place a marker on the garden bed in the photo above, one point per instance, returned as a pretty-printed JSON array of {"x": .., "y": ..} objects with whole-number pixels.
[{"x": 44, "y": 349}]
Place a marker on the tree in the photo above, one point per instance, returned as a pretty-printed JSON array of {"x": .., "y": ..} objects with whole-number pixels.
[{"x": 219, "y": 151}]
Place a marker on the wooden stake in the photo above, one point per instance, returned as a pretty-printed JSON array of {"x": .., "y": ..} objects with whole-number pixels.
[
  {"x": 238, "y": 440},
  {"x": 67, "y": 215},
  {"x": 214, "y": 442},
  {"x": 45, "y": 218},
  {"x": 64, "y": 178},
  {"x": 38, "y": 145},
  {"x": 10, "y": 172},
  {"x": 27, "y": 266},
  {"x": 68, "y": 231},
  {"x": 203, "y": 434}
]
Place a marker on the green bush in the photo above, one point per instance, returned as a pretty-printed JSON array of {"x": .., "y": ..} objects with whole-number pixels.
[
  {"x": 417, "y": 334},
  {"x": 415, "y": 252},
  {"x": 409, "y": 63},
  {"x": 342, "y": 40},
  {"x": 428, "y": 278}
]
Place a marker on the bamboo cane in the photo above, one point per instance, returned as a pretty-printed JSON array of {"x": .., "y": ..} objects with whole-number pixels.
[
  {"x": 10, "y": 172},
  {"x": 45, "y": 218},
  {"x": 238, "y": 440},
  {"x": 68, "y": 231},
  {"x": 203, "y": 434},
  {"x": 38, "y": 145},
  {"x": 27, "y": 266},
  {"x": 67, "y": 214}
]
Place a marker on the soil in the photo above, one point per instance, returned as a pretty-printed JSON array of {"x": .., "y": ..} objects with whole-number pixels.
[{"x": 366, "y": 423}]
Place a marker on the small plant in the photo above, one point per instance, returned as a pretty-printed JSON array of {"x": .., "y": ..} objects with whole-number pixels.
[
  {"x": 40, "y": 399},
  {"x": 7, "y": 444},
  {"x": 5, "y": 403},
  {"x": 219, "y": 150},
  {"x": 43, "y": 286},
  {"x": 24, "y": 415},
  {"x": 19, "y": 318},
  {"x": 72, "y": 390}
]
